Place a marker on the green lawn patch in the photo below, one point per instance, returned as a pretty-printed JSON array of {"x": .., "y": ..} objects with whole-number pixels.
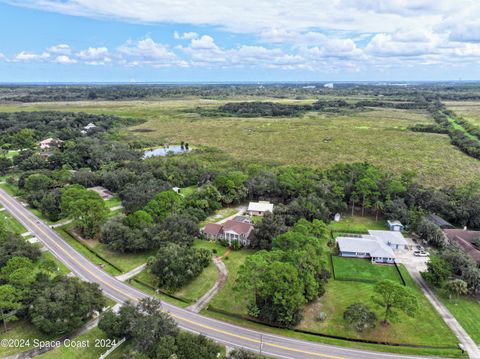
[
  {"x": 227, "y": 299},
  {"x": 12, "y": 153},
  {"x": 357, "y": 224},
  {"x": 466, "y": 310},
  {"x": 219, "y": 215},
  {"x": 94, "y": 349},
  {"x": 9, "y": 188},
  {"x": 185, "y": 191},
  {"x": 113, "y": 202},
  {"x": 11, "y": 223},
  {"x": 363, "y": 270},
  {"x": 79, "y": 247},
  {"x": 426, "y": 328},
  {"x": 21, "y": 330}
]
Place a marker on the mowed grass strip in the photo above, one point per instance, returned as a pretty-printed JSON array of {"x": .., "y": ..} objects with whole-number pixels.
[
  {"x": 466, "y": 310},
  {"x": 356, "y": 269}
]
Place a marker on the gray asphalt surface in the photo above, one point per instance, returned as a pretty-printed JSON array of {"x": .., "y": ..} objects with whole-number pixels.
[{"x": 231, "y": 335}]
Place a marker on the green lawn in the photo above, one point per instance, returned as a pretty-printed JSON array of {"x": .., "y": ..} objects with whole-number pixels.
[
  {"x": 363, "y": 270},
  {"x": 227, "y": 299},
  {"x": 357, "y": 224},
  {"x": 21, "y": 330},
  {"x": 185, "y": 191},
  {"x": 12, "y": 153},
  {"x": 125, "y": 261},
  {"x": 219, "y": 215},
  {"x": 11, "y": 223},
  {"x": 113, "y": 202},
  {"x": 426, "y": 328},
  {"x": 466, "y": 310},
  {"x": 85, "y": 252},
  {"x": 9, "y": 188},
  {"x": 94, "y": 349}
]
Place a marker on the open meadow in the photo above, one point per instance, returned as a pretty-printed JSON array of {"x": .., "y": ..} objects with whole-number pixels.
[
  {"x": 469, "y": 110},
  {"x": 379, "y": 136}
]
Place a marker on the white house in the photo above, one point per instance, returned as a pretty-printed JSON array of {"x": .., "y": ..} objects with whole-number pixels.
[
  {"x": 49, "y": 143},
  {"x": 366, "y": 247},
  {"x": 393, "y": 239},
  {"x": 259, "y": 208}
]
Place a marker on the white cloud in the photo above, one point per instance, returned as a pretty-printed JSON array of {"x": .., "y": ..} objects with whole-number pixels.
[
  {"x": 185, "y": 35},
  {"x": 64, "y": 59},
  {"x": 254, "y": 16},
  {"x": 62, "y": 49},
  {"x": 148, "y": 52},
  {"x": 26, "y": 56},
  {"x": 3, "y": 57},
  {"x": 94, "y": 56}
]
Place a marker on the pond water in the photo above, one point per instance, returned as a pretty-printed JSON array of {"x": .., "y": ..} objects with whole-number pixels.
[{"x": 163, "y": 151}]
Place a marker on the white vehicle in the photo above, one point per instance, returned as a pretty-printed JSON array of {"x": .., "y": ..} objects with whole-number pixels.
[{"x": 421, "y": 254}]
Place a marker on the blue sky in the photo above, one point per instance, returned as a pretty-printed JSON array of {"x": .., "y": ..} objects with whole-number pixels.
[{"x": 248, "y": 40}]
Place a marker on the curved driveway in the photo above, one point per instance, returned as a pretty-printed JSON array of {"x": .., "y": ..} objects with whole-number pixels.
[{"x": 231, "y": 335}]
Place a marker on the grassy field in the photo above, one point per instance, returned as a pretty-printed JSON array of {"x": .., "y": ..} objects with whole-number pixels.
[
  {"x": 355, "y": 269},
  {"x": 227, "y": 299},
  {"x": 379, "y": 136},
  {"x": 469, "y": 110},
  {"x": 426, "y": 328},
  {"x": 62, "y": 269},
  {"x": 85, "y": 252},
  {"x": 466, "y": 310},
  {"x": 11, "y": 224},
  {"x": 10, "y": 189},
  {"x": 357, "y": 224},
  {"x": 219, "y": 215},
  {"x": 90, "y": 352},
  {"x": 21, "y": 330}
]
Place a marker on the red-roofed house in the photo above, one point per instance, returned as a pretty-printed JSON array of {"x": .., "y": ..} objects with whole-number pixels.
[{"x": 230, "y": 231}]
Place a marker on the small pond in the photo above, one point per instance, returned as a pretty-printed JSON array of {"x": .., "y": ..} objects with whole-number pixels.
[{"x": 163, "y": 151}]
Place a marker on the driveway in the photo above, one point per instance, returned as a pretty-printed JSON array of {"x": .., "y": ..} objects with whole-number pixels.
[{"x": 415, "y": 265}]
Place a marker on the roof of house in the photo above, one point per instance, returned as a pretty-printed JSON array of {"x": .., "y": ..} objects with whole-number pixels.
[
  {"x": 439, "y": 221},
  {"x": 261, "y": 206},
  {"x": 237, "y": 227},
  {"x": 242, "y": 219},
  {"x": 370, "y": 245},
  {"x": 89, "y": 126},
  {"x": 50, "y": 140},
  {"x": 465, "y": 238},
  {"x": 394, "y": 223},
  {"x": 468, "y": 235},
  {"x": 389, "y": 237},
  {"x": 212, "y": 229}
]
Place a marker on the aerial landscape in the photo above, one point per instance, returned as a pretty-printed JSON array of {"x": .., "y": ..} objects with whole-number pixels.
[{"x": 243, "y": 180}]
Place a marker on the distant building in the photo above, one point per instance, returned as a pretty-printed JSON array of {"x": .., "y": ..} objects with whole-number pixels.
[
  {"x": 259, "y": 208},
  {"x": 88, "y": 127},
  {"x": 328, "y": 85},
  {"x": 395, "y": 226},
  {"x": 176, "y": 189},
  {"x": 439, "y": 221},
  {"x": 102, "y": 191},
  {"x": 49, "y": 143},
  {"x": 229, "y": 231},
  {"x": 466, "y": 239}
]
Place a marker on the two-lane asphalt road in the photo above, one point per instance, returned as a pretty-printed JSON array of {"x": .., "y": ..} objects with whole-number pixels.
[{"x": 228, "y": 334}]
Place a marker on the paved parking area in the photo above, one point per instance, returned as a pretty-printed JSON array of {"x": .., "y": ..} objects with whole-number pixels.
[{"x": 406, "y": 257}]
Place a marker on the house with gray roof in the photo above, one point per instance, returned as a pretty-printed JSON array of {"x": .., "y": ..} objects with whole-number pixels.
[
  {"x": 366, "y": 247},
  {"x": 393, "y": 239}
]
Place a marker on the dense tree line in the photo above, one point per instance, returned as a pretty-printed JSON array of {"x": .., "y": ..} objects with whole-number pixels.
[
  {"x": 35, "y": 291},
  {"x": 153, "y": 333},
  {"x": 29, "y": 93}
]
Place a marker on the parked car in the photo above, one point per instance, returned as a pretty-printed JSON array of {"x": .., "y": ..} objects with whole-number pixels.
[
  {"x": 420, "y": 248},
  {"x": 421, "y": 254}
]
